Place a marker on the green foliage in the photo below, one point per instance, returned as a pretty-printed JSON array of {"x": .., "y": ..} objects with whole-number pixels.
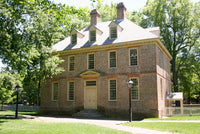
[
  {"x": 8, "y": 83},
  {"x": 177, "y": 20}
]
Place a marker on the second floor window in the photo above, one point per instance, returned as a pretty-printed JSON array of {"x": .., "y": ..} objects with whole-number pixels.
[
  {"x": 133, "y": 57},
  {"x": 71, "y": 63},
  {"x": 91, "y": 61},
  {"x": 74, "y": 39},
  {"x": 113, "y": 32},
  {"x": 92, "y": 35},
  {"x": 112, "y": 59}
]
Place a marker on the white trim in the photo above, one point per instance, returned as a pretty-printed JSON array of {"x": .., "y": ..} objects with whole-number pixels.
[
  {"x": 88, "y": 61},
  {"x": 109, "y": 58},
  {"x": 130, "y": 57},
  {"x": 69, "y": 62},
  {"x": 138, "y": 89},
  {"x": 68, "y": 91},
  {"x": 109, "y": 89}
]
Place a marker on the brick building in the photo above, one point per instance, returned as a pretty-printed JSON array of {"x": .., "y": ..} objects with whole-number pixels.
[{"x": 98, "y": 62}]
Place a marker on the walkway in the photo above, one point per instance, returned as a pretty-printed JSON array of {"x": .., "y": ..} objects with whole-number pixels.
[{"x": 114, "y": 124}]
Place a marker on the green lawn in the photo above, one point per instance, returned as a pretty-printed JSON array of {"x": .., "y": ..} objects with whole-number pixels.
[
  {"x": 12, "y": 113},
  {"x": 183, "y": 128},
  {"x": 12, "y": 126},
  {"x": 177, "y": 118},
  {"x": 22, "y": 126}
]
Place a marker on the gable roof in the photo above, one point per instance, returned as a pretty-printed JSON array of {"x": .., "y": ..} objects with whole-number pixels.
[{"x": 130, "y": 32}]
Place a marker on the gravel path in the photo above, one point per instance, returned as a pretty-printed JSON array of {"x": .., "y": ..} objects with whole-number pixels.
[{"x": 114, "y": 124}]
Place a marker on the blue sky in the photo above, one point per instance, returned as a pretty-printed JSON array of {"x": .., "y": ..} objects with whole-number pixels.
[{"x": 130, "y": 5}]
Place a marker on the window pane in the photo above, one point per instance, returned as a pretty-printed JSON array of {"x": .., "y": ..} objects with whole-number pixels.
[
  {"x": 90, "y": 83},
  {"x": 113, "y": 32},
  {"x": 112, "y": 59},
  {"x": 55, "y": 91},
  {"x": 112, "y": 89},
  {"x": 92, "y": 35},
  {"x": 74, "y": 39},
  {"x": 71, "y": 91},
  {"x": 135, "y": 89},
  {"x": 72, "y": 63},
  {"x": 91, "y": 61},
  {"x": 133, "y": 57}
]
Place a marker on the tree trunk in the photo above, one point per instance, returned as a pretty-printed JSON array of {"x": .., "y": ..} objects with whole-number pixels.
[
  {"x": 38, "y": 94},
  {"x": 175, "y": 77},
  {"x": 2, "y": 106}
]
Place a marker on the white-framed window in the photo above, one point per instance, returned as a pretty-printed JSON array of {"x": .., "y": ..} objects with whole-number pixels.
[
  {"x": 133, "y": 57},
  {"x": 93, "y": 35},
  {"x": 55, "y": 91},
  {"x": 71, "y": 63},
  {"x": 71, "y": 91},
  {"x": 135, "y": 89},
  {"x": 74, "y": 39},
  {"x": 91, "y": 61},
  {"x": 112, "y": 59},
  {"x": 112, "y": 90},
  {"x": 113, "y": 32}
]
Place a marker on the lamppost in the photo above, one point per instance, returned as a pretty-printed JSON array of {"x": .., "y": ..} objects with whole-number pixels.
[
  {"x": 130, "y": 85},
  {"x": 16, "y": 112}
]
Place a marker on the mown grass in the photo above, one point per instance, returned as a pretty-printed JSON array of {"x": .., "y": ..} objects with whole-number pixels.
[
  {"x": 174, "y": 127},
  {"x": 176, "y": 118},
  {"x": 20, "y": 113},
  {"x": 19, "y": 126}
]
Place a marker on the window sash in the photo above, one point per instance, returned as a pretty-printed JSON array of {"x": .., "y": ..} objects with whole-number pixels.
[
  {"x": 92, "y": 35},
  {"x": 113, "y": 32},
  {"x": 135, "y": 89},
  {"x": 71, "y": 91},
  {"x": 55, "y": 91},
  {"x": 71, "y": 63},
  {"x": 133, "y": 57},
  {"x": 112, "y": 57},
  {"x": 90, "y": 61},
  {"x": 113, "y": 88},
  {"x": 74, "y": 39}
]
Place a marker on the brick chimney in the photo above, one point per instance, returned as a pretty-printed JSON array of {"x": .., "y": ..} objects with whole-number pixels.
[
  {"x": 121, "y": 11},
  {"x": 95, "y": 17}
]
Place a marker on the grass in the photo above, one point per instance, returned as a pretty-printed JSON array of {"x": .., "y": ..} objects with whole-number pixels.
[
  {"x": 22, "y": 126},
  {"x": 174, "y": 127},
  {"x": 20, "y": 113},
  {"x": 12, "y": 126},
  {"x": 177, "y": 118}
]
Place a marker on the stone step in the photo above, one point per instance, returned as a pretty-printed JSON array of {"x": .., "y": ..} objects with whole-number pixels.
[{"x": 88, "y": 113}]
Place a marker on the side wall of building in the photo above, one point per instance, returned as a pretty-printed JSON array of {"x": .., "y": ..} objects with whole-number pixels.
[{"x": 163, "y": 79}]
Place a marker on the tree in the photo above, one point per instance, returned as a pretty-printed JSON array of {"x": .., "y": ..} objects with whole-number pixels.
[
  {"x": 177, "y": 24},
  {"x": 8, "y": 83}
]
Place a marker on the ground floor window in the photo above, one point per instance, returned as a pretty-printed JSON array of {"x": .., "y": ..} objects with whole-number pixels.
[
  {"x": 135, "y": 89},
  {"x": 112, "y": 90},
  {"x": 71, "y": 90},
  {"x": 55, "y": 91}
]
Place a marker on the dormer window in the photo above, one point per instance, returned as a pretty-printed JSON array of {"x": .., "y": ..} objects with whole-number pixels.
[
  {"x": 113, "y": 32},
  {"x": 93, "y": 35},
  {"x": 74, "y": 39}
]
